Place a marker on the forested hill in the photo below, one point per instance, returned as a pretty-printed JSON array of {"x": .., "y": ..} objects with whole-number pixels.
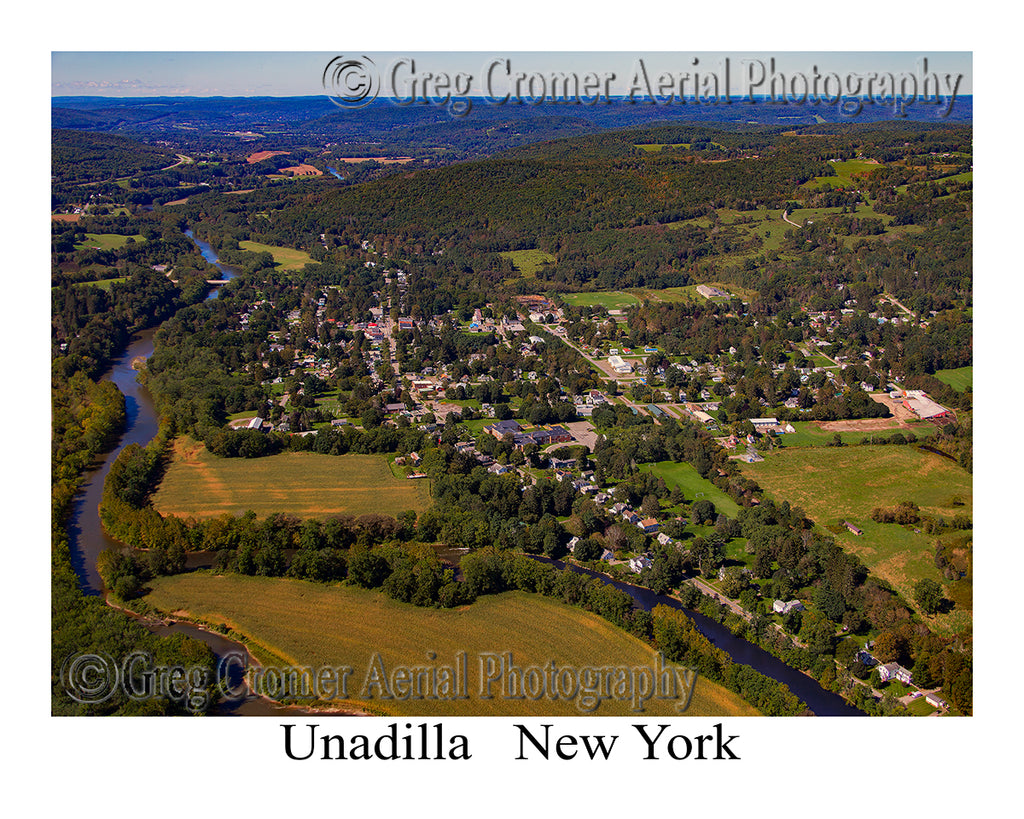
[{"x": 664, "y": 206}]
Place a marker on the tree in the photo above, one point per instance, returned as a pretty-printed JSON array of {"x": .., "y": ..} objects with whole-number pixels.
[{"x": 928, "y": 595}]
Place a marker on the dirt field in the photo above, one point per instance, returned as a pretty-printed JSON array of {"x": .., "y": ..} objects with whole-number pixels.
[
  {"x": 303, "y": 170},
  {"x": 259, "y": 156},
  {"x": 861, "y": 425},
  {"x": 65, "y": 217},
  {"x": 383, "y": 160},
  {"x": 903, "y": 415}
]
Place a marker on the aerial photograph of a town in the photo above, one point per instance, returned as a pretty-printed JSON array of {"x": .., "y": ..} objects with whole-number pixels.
[{"x": 512, "y": 384}]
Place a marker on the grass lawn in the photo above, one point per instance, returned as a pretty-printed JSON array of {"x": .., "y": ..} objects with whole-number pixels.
[
  {"x": 833, "y": 484},
  {"x": 286, "y": 258},
  {"x": 305, "y": 484},
  {"x": 959, "y": 379},
  {"x": 295, "y": 622},
  {"x": 614, "y": 300},
  {"x": 528, "y": 262},
  {"x": 693, "y": 485},
  {"x": 106, "y": 241},
  {"x": 920, "y": 707}
]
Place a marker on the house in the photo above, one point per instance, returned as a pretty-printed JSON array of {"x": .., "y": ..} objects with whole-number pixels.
[
  {"x": 638, "y": 564},
  {"x": 573, "y": 542},
  {"x": 607, "y": 554},
  {"x": 664, "y": 539},
  {"x": 894, "y": 671},
  {"x": 935, "y": 700},
  {"x": 497, "y": 469},
  {"x": 649, "y": 525},
  {"x": 782, "y": 607}
]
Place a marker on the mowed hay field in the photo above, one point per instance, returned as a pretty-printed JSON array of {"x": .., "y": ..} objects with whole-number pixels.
[
  {"x": 305, "y": 484},
  {"x": 833, "y": 484},
  {"x": 295, "y": 622}
]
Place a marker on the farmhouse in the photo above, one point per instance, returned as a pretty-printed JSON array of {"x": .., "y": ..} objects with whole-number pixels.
[
  {"x": 782, "y": 607},
  {"x": 894, "y": 671}
]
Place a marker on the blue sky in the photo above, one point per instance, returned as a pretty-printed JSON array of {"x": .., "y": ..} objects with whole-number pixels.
[{"x": 211, "y": 73}]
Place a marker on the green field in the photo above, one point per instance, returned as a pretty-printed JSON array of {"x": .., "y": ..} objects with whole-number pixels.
[
  {"x": 808, "y": 433},
  {"x": 302, "y": 483},
  {"x": 309, "y": 624},
  {"x": 614, "y": 300},
  {"x": 656, "y": 147},
  {"x": 106, "y": 241},
  {"x": 844, "y": 173},
  {"x": 286, "y": 258},
  {"x": 960, "y": 379},
  {"x": 528, "y": 262},
  {"x": 688, "y": 293},
  {"x": 693, "y": 485},
  {"x": 102, "y": 284},
  {"x": 833, "y": 484}
]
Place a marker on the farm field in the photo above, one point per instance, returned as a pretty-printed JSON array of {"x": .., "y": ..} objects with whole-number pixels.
[
  {"x": 305, "y": 484},
  {"x": 693, "y": 485},
  {"x": 286, "y": 258},
  {"x": 107, "y": 241},
  {"x": 959, "y": 379},
  {"x": 308, "y": 624},
  {"x": 844, "y": 173},
  {"x": 102, "y": 284},
  {"x": 833, "y": 484}
]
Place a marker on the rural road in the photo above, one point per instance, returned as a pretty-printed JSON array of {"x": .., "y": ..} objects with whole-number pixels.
[{"x": 785, "y": 218}]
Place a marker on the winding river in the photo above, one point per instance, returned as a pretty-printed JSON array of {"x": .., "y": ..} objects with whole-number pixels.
[{"x": 87, "y": 539}]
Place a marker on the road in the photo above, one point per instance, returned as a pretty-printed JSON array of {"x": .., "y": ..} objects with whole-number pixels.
[{"x": 785, "y": 218}]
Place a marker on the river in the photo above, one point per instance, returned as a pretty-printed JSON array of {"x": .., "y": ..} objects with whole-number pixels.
[
  {"x": 823, "y": 703},
  {"x": 87, "y": 539}
]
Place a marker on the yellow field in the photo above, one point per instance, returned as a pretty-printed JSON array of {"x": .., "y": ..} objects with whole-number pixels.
[
  {"x": 305, "y": 484},
  {"x": 297, "y": 623}
]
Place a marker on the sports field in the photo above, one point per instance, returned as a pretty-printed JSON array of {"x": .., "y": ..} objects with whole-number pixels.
[
  {"x": 609, "y": 300},
  {"x": 835, "y": 484},
  {"x": 308, "y": 624},
  {"x": 305, "y": 484},
  {"x": 286, "y": 258}
]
